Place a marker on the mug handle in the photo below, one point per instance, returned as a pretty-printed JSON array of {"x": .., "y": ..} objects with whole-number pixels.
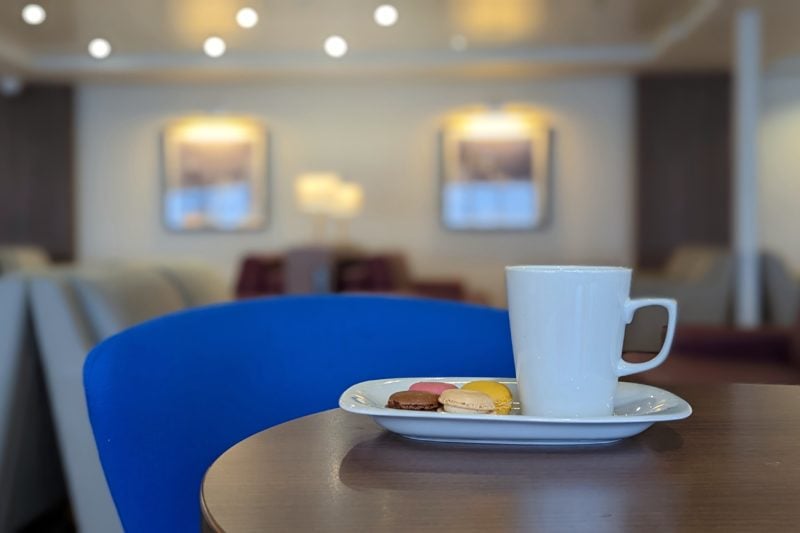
[{"x": 625, "y": 368}]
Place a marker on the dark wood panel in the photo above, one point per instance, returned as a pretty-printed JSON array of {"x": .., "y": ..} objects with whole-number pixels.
[
  {"x": 683, "y": 163},
  {"x": 36, "y": 169}
]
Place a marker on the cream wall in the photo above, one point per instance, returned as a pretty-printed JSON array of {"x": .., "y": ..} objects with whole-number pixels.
[
  {"x": 381, "y": 134},
  {"x": 779, "y": 201}
]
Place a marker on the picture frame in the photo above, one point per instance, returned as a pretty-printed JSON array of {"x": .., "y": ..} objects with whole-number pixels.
[
  {"x": 215, "y": 174},
  {"x": 495, "y": 173}
]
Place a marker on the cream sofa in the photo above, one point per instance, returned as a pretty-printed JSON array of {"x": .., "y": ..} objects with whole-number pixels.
[
  {"x": 30, "y": 474},
  {"x": 781, "y": 291},
  {"x": 22, "y": 258},
  {"x": 699, "y": 277},
  {"x": 74, "y": 309}
]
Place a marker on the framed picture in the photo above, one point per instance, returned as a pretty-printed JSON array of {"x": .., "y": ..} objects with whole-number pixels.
[
  {"x": 495, "y": 173},
  {"x": 215, "y": 174}
]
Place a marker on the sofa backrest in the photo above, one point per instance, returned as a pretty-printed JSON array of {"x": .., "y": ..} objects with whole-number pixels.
[
  {"x": 64, "y": 336},
  {"x": 12, "y": 311},
  {"x": 30, "y": 473},
  {"x": 12, "y": 325},
  {"x": 74, "y": 309},
  {"x": 781, "y": 291},
  {"x": 110, "y": 298},
  {"x": 698, "y": 262},
  {"x": 115, "y": 299},
  {"x": 198, "y": 284},
  {"x": 21, "y": 257}
]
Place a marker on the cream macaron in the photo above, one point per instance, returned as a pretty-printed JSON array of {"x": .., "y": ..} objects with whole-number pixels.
[{"x": 466, "y": 402}]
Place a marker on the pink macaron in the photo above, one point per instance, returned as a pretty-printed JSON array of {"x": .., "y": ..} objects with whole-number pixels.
[{"x": 435, "y": 387}]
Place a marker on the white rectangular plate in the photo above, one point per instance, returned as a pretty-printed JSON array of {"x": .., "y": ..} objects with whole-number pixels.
[{"x": 636, "y": 408}]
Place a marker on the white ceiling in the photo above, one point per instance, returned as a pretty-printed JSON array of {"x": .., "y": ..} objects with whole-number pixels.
[{"x": 163, "y": 38}]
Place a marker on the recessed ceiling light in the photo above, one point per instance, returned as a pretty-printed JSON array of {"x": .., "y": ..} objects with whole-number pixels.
[
  {"x": 247, "y": 17},
  {"x": 214, "y": 47},
  {"x": 33, "y": 14},
  {"x": 99, "y": 48},
  {"x": 458, "y": 43},
  {"x": 386, "y": 15},
  {"x": 335, "y": 46}
]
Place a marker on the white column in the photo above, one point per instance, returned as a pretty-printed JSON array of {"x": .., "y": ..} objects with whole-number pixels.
[{"x": 747, "y": 81}]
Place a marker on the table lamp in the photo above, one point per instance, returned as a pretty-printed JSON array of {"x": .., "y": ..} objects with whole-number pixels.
[
  {"x": 314, "y": 192},
  {"x": 347, "y": 202}
]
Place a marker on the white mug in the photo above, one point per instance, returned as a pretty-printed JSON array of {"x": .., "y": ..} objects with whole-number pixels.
[{"x": 567, "y": 326}]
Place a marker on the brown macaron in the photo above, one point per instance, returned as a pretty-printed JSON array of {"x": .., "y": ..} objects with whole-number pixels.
[{"x": 412, "y": 400}]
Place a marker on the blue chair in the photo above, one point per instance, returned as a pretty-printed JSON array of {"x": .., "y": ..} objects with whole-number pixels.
[{"x": 166, "y": 398}]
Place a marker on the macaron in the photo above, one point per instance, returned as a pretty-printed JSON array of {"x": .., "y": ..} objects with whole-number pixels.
[
  {"x": 499, "y": 393},
  {"x": 412, "y": 400},
  {"x": 434, "y": 387},
  {"x": 466, "y": 402}
]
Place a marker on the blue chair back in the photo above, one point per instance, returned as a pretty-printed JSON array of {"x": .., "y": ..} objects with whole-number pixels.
[{"x": 166, "y": 398}]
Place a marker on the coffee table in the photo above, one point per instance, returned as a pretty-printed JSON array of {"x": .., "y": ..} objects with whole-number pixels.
[{"x": 733, "y": 466}]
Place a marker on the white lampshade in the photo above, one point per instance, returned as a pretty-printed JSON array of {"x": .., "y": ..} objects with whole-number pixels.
[
  {"x": 348, "y": 199},
  {"x": 314, "y": 191}
]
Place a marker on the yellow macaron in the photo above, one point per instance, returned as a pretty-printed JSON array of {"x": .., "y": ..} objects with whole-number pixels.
[{"x": 498, "y": 392}]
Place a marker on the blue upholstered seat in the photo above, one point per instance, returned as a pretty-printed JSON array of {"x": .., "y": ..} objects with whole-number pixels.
[{"x": 167, "y": 397}]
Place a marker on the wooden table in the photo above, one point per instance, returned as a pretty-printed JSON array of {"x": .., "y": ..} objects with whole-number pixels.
[{"x": 733, "y": 466}]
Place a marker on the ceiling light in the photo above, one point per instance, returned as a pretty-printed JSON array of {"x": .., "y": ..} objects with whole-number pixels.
[
  {"x": 99, "y": 48},
  {"x": 247, "y": 17},
  {"x": 386, "y": 15},
  {"x": 335, "y": 46},
  {"x": 458, "y": 43},
  {"x": 33, "y": 14},
  {"x": 214, "y": 47}
]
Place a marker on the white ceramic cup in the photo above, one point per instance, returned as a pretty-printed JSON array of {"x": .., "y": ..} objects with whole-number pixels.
[{"x": 567, "y": 326}]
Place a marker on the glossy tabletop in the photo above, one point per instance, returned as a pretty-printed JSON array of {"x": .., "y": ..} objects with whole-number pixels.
[{"x": 734, "y": 465}]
